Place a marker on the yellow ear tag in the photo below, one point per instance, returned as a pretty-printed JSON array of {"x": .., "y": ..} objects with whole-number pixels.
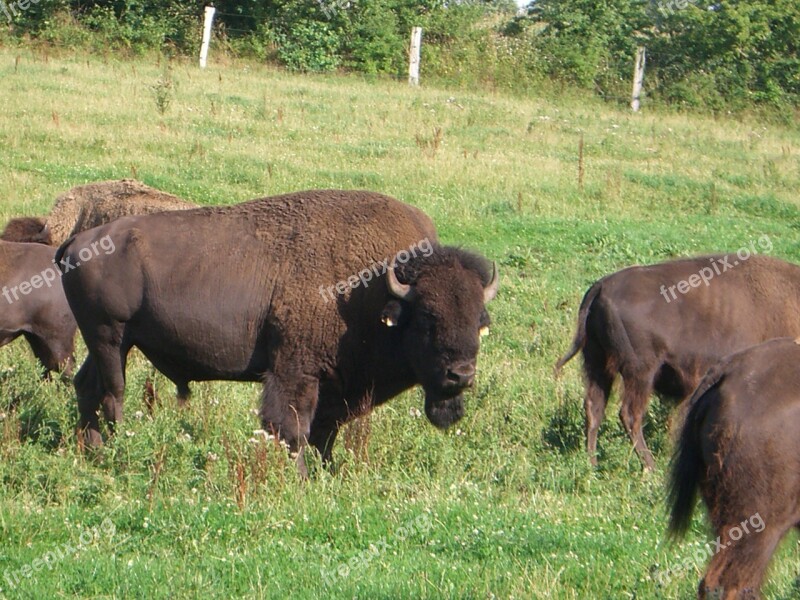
[
  {"x": 484, "y": 331},
  {"x": 388, "y": 321}
]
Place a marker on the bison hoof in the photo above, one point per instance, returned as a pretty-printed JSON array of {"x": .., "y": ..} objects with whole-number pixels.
[{"x": 89, "y": 438}]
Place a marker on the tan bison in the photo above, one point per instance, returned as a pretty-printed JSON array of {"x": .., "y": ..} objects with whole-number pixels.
[{"x": 88, "y": 206}]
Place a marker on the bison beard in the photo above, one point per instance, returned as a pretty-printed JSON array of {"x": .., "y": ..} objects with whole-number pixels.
[{"x": 443, "y": 412}]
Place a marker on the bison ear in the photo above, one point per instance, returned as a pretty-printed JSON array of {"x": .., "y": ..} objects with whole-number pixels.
[{"x": 392, "y": 313}]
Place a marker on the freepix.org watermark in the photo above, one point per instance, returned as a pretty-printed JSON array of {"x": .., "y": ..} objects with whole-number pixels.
[
  {"x": 375, "y": 270},
  {"x": 358, "y": 563},
  {"x": 720, "y": 265},
  {"x": 10, "y": 9},
  {"x": 50, "y": 274},
  {"x": 670, "y": 6},
  {"x": 735, "y": 533},
  {"x": 13, "y": 578}
]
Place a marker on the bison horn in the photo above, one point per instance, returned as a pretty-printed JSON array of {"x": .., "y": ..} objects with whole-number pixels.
[
  {"x": 490, "y": 291},
  {"x": 400, "y": 290}
]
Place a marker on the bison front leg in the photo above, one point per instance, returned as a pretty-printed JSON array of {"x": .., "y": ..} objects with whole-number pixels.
[
  {"x": 287, "y": 409},
  {"x": 323, "y": 435}
]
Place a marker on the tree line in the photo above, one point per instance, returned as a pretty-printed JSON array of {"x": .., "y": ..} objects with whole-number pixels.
[{"x": 715, "y": 56}]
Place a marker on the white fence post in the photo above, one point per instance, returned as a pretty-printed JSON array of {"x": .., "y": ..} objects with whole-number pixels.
[
  {"x": 207, "y": 22},
  {"x": 413, "y": 61},
  {"x": 638, "y": 78}
]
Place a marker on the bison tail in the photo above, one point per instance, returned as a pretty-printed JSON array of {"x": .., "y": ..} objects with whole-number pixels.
[
  {"x": 580, "y": 335},
  {"x": 687, "y": 466},
  {"x": 62, "y": 249}
]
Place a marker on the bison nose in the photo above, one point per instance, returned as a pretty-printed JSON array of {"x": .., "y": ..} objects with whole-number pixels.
[{"x": 461, "y": 375}]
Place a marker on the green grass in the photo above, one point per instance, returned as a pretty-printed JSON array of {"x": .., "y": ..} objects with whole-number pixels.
[{"x": 504, "y": 505}]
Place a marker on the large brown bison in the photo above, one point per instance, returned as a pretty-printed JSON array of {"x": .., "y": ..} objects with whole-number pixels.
[
  {"x": 296, "y": 291},
  {"x": 87, "y": 206},
  {"x": 633, "y": 324},
  {"x": 740, "y": 446},
  {"x": 34, "y": 305}
]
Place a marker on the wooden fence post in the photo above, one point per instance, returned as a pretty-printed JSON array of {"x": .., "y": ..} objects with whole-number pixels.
[
  {"x": 413, "y": 61},
  {"x": 208, "y": 20},
  {"x": 638, "y": 78}
]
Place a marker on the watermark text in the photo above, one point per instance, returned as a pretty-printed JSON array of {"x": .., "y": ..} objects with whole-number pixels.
[
  {"x": 720, "y": 265},
  {"x": 50, "y": 274}
]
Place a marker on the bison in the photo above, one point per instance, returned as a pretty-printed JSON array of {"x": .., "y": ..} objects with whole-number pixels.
[
  {"x": 34, "y": 305},
  {"x": 335, "y": 300},
  {"x": 632, "y": 323},
  {"x": 27, "y": 229},
  {"x": 87, "y": 206},
  {"x": 739, "y": 445}
]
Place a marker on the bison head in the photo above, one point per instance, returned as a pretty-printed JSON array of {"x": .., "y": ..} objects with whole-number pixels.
[
  {"x": 27, "y": 229},
  {"x": 440, "y": 309}
]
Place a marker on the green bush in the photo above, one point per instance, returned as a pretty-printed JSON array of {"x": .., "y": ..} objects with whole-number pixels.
[
  {"x": 135, "y": 33},
  {"x": 374, "y": 41},
  {"x": 311, "y": 46}
]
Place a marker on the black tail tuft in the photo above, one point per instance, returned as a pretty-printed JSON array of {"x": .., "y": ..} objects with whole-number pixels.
[
  {"x": 62, "y": 249},
  {"x": 687, "y": 467},
  {"x": 580, "y": 335}
]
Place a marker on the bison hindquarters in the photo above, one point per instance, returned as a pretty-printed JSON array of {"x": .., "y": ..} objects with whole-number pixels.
[{"x": 739, "y": 447}]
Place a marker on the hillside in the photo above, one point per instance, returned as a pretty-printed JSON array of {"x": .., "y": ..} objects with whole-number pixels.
[{"x": 504, "y": 505}]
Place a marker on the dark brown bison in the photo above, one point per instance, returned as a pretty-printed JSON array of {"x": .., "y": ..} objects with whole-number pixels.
[
  {"x": 633, "y": 323},
  {"x": 295, "y": 291},
  {"x": 87, "y": 206},
  {"x": 740, "y": 446},
  {"x": 34, "y": 306},
  {"x": 27, "y": 229}
]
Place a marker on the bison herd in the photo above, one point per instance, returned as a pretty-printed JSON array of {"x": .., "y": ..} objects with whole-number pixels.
[{"x": 238, "y": 299}]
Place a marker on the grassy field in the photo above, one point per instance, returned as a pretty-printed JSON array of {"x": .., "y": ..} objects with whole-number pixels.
[{"x": 193, "y": 503}]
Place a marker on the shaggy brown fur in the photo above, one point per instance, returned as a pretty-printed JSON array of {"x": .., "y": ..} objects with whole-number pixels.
[
  {"x": 94, "y": 204},
  {"x": 87, "y": 206},
  {"x": 243, "y": 293},
  {"x": 626, "y": 327},
  {"x": 27, "y": 229},
  {"x": 739, "y": 445}
]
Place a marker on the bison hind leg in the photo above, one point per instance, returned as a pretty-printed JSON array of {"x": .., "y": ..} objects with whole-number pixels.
[
  {"x": 101, "y": 381},
  {"x": 637, "y": 389},
  {"x": 183, "y": 393},
  {"x": 737, "y": 569},
  {"x": 598, "y": 380},
  {"x": 89, "y": 392}
]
